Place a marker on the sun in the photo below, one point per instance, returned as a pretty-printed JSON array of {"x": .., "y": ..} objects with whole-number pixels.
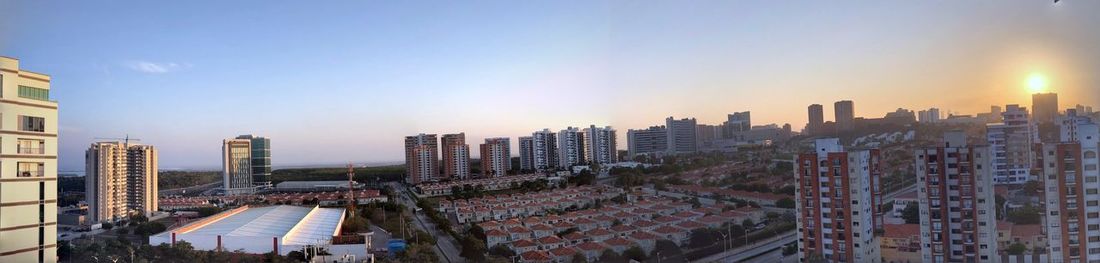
[{"x": 1036, "y": 83}]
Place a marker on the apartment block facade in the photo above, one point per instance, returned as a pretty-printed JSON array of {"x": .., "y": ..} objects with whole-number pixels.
[
  {"x": 527, "y": 153},
  {"x": 681, "y": 135},
  {"x": 28, "y": 166},
  {"x": 1011, "y": 142},
  {"x": 837, "y": 204},
  {"x": 421, "y": 158},
  {"x": 456, "y": 156},
  {"x": 120, "y": 180},
  {"x": 816, "y": 119},
  {"x": 957, "y": 205},
  {"x": 544, "y": 150},
  {"x": 845, "y": 115},
  {"x": 570, "y": 147},
  {"x": 496, "y": 157},
  {"x": 648, "y": 141},
  {"x": 601, "y": 143},
  {"x": 1072, "y": 192},
  {"x": 261, "y": 158}
]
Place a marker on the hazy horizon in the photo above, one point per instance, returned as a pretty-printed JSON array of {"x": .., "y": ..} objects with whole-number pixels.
[{"x": 346, "y": 81}]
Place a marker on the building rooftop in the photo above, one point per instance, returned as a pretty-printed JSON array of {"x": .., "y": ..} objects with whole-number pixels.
[{"x": 292, "y": 225}]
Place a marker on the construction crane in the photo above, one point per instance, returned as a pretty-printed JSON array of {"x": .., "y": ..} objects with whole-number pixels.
[{"x": 125, "y": 140}]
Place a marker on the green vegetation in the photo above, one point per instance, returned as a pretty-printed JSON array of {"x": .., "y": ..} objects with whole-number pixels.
[
  {"x": 911, "y": 214},
  {"x": 1027, "y": 215},
  {"x": 362, "y": 174},
  {"x": 785, "y": 203},
  {"x": 180, "y": 179},
  {"x": 109, "y": 250},
  {"x": 1016, "y": 249}
]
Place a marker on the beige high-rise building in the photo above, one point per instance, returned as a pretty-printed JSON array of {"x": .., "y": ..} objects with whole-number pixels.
[
  {"x": 237, "y": 166},
  {"x": 456, "y": 156},
  {"x": 28, "y": 166},
  {"x": 120, "y": 180},
  {"x": 421, "y": 158}
]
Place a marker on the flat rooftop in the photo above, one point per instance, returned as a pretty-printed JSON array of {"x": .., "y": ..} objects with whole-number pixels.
[{"x": 292, "y": 225}]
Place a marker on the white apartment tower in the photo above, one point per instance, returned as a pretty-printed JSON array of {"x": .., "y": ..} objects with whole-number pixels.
[
  {"x": 681, "y": 135},
  {"x": 570, "y": 147},
  {"x": 28, "y": 166},
  {"x": 837, "y": 204},
  {"x": 120, "y": 180},
  {"x": 544, "y": 150},
  {"x": 601, "y": 145},
  {"x": 1071, "y": 177},
  {"x": 526, "y": 153},
  {"x": 496, "y": 157},
  {"x": 1011, "y": 143},
  {"x": 957, "y": 206}
]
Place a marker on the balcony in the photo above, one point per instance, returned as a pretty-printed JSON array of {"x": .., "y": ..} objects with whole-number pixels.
[{"x": 31, "y": 150}]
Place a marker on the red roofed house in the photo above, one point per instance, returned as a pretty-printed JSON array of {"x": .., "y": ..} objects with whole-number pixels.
[
  {"x": 574, "y": 238},
  {"x": 524, "y": 245},
  {"x": 563, "y": 254},
  {"x": 623, "y": 230},
  {"x": 542, "y": 230},
  {"x": 676, "y": 235},
  {"x": 901, "y": 243},
  {"x": 599, "y": 234},
  {"x": 550, "y": 242},
  {"x": 618, "y": 244},
  {"x": 646, "y": 240},
  {"x": 535, "y": 256},
  {"x": 519, "y": 232},
  {"x": 495, "y": 236},
  {"x": 690, "y": 225},
  {"x": 590, "y": 250}
]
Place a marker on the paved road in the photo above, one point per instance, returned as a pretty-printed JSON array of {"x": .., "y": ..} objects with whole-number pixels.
[
  {"x": 889, "y": 198},
  {"x": 445, "y": 246},
  {"x": 193, "y": 190},
  {"x": 760, "y": 247},
  {"x": 774, "y": 256}
]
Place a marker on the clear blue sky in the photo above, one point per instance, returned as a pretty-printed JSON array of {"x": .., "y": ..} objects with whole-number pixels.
[{"x": 333, "y": 81}]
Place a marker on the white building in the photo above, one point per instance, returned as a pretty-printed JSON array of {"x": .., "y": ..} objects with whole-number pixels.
[
  {"x": 544, "y": 152},
  {"x": 570, "y": 147},
  {"x": 957, "y": 206},
  {"x": 648, "y": 141},
  {"x": 28, "y": 165},
  {"x": 929, "y": 116},
  {"x": 601, "y": 145},
  {"x": 1072, "y": 214},
  {"x": 681, "y": 135},
  {"x": 1011, "y": 143},
  {"x": 527, "y": 153},
  {"x": 120, "y": 180}
]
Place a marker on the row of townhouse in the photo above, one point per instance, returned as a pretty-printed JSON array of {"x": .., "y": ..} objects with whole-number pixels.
[
  {"x": 487, "y": 184},
  {"x": 615, "y": 227},
  {"x": 500, "y": 207},
  {"x": 327, "y": 198}
]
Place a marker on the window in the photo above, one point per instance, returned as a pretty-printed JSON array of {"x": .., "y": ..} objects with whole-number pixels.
[
  {"x": 34, "y": 124},
  {"x": 1090, "y": 155},
  {"x": 28, "y": 169},
  {"x": 27, "y": 146},
  {"x": 34, "y": 93}
]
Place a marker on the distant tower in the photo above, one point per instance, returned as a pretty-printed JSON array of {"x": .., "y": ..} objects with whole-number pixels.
[{"x": 351, "y": 191}]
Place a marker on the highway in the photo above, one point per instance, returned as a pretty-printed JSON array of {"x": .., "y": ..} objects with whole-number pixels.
[
  {"x": 760, "y": 247},
  {"x": 445, "y": 244}
]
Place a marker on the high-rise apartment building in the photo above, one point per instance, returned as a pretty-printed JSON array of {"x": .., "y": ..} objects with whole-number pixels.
[
  {"x": 1044, "y": 107},
  {"x": 456, "y": 156},
  {"x": 421, "y": 158},
  {"x": 1072, "y": 213},
  {"x": 929, "y": 116},
  {"x": 837, "y": 204},
  {"x": 120, "y": 180},
  {"x": 705, "y": 135},
  {"x": 681, "y": 135},
  {"x": 261, "y": 158},
  {"x": 237, "y": 166},
  {"x": 570, "y": 147},
  {"x": 544, "y": 149},
  {"x": 737, "y": 122},
  {"x": 845, "y": 115},
  {"x": 496, "y": 157},
  {"x": 601, "y": 148},
  {"x": 1011, "y": 143},
  {"x": 957, "y": 206},
  {"x": 28, "y": 166},
  {"x": 648, "y": 141},
  {"x": 817, "y": 119},
  {"x": 526, "y": 153}
]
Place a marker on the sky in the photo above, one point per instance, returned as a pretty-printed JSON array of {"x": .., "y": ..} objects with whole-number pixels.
[{"x": 345, "y": 81}]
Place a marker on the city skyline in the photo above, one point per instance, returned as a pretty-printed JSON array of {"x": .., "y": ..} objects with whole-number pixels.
[{"x": 607, "y": 64}]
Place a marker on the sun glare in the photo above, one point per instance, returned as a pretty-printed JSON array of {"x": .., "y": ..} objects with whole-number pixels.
[{"x": 1036, "y": 83}]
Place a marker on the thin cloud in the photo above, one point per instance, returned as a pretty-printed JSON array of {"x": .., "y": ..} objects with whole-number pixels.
[{"x": 155, "y": 67}]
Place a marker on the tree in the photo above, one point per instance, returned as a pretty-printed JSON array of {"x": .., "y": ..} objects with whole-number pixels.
[
  {"x": 139, "y": 218},
  {"x": 785, "y": 203},
  {"x": 748, "y": 223},
  {"x": 610, "y": 256},
  {"x": 1027, "y": 215},
  {"x": 666, "y": 248},
  {"x": 635, "y": 253},
  {"x": 702, "y": 237},
  {"x": 1031, "y": 188},
  {"x": 107, "y": 225},
  {"x": 911, "y": 214},
  {"x": 1016, "y": 249},
  {"x": 786, "y": 190},
  {"x": 355, "y": 224},
  {"x": 419, "y": 253},
  {"x": 473, "y": 249},
  {"x": 476, "y": 231},
  {"x": 502, "y": 251}
]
